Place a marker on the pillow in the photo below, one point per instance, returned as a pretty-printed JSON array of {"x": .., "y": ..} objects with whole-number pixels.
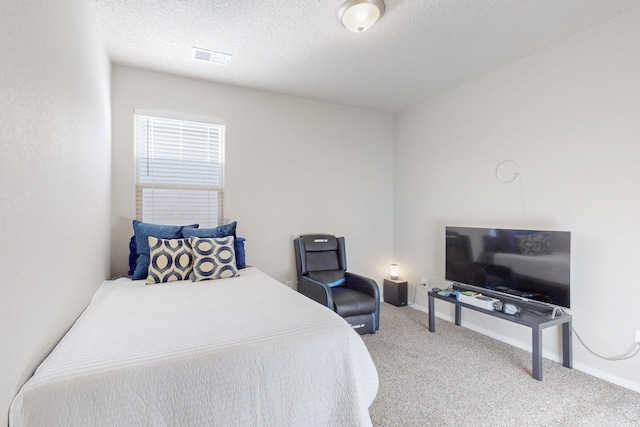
[
  {"x": 221, "y": 231},
  {"x": 534, "y": 244},
  {"x": 169, "y": 260},
  {"x": 133, "y": 255},
  {"x": 241, "y": 261},
  {"x": 142, "y": 232},
  {"x": 213, "y": 258}
]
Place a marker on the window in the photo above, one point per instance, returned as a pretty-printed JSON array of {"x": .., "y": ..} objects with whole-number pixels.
[{"x": 179, "y": 170}]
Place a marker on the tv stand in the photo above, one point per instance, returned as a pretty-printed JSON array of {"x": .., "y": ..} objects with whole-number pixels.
[{"x": 536, "y": 321}]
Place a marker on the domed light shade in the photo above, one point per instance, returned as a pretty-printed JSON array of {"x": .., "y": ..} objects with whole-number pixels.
[{"x": 360, "y": 15}]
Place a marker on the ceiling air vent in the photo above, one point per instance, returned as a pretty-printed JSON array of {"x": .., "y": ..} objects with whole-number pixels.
[{"x": 211, "y": 56}]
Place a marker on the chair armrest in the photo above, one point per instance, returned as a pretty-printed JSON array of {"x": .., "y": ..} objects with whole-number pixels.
[
  {"x": 317, "y": 291},
  {"x": 368, "y": 286},
  {"x": 362, "y": 284}
]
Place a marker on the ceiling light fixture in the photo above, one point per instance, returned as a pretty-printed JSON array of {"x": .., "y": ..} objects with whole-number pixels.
[
  {"x": 360, "y": 15},
  {"x": 211, "y": 56}
]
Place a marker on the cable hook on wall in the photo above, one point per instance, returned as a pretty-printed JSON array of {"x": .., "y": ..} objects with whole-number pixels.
[{"x": 507, "y": 172}]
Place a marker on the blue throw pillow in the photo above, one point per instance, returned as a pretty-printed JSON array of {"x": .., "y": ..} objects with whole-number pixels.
[
  {"x": 241, "y": 261},
  {"x": 133, "y": 255},
  {"x": 225, "y": 230},
  {"x": 142, "y": 231}
]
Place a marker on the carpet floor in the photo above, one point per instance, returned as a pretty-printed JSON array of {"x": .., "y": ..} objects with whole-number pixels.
[{"x": 458, "y": 377}]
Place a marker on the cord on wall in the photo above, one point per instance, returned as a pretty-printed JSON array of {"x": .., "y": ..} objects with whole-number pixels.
[
  {"x": 415, "y": 291},
  {"x": 507, "y": 172},
  {"x": 631, "y": 354}
]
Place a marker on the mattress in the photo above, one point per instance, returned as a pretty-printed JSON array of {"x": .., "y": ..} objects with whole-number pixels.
[{"x": 231, "y": 352}]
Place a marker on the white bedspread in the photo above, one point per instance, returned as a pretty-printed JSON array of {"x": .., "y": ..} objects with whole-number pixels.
[{"x": 244, "y": 351}]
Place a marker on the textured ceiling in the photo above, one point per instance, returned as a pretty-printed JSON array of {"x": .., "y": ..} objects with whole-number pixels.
[{"x": 419, "y": 48}]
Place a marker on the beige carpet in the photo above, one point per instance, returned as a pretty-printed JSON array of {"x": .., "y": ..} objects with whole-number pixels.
[{"x": 457, "y": 377}]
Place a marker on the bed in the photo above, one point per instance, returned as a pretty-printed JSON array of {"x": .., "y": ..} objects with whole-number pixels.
[{"x": 240, "y": 351}]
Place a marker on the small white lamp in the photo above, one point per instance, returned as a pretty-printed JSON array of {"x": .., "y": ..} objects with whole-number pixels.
[{"x": 394, "y": 271}]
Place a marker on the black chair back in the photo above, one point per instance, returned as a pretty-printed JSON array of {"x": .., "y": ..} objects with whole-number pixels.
[{"x": 319, "y": 252}]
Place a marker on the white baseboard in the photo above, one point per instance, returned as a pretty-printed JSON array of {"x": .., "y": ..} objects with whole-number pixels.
[{"x": 587, "y": 369}]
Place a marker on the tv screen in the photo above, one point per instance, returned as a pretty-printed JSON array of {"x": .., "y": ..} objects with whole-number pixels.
[{"x": 526, "y": 264}]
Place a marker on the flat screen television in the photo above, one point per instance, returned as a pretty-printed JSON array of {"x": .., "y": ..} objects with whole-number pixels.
[{"x": 528, "y": 265}]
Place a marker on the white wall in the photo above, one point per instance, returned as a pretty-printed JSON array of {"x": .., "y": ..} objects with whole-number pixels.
[
  {"x": 569, "y": 117},
  {"x": 54, "y": 178},
  {"x": 293, "y": 166}
]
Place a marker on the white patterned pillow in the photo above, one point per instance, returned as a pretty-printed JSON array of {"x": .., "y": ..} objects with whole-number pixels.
[
  {"x": 169, "y": 260},
  {"x": 213, "y": 258}
]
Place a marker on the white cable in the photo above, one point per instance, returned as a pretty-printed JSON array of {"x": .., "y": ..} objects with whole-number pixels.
[
  {"x": 415, "y": 291},
  {"x": 514, "y": 175},
  {"x": 633, "y": 352}
]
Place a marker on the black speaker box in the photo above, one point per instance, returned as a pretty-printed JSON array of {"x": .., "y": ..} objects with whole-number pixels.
[{"x": 395, "y": 292}]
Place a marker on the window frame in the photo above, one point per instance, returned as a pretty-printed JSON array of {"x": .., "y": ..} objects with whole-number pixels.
[{"x": 177, "y": 167}]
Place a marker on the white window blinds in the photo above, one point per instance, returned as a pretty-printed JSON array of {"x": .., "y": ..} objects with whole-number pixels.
[{"x": 179, "y": 170}]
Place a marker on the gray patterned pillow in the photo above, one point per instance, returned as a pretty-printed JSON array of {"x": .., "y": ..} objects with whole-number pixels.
[
  {"x": 534, "y": 244},
  {"x": 213, "y": 258},
  {"x": 169, "y": 260}
]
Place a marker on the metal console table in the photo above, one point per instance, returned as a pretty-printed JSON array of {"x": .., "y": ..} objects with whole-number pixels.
[{"x": 536, "y": 321}]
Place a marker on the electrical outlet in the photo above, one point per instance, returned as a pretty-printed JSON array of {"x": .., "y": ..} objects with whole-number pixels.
[
  {"x": 637, "y": 337},
  {"x": 424, "y": 281}
]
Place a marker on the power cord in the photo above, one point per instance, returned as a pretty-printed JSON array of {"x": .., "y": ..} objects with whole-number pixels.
[
  {"x": 415, "y": 291},
  {"x": 633, "y": 353}
]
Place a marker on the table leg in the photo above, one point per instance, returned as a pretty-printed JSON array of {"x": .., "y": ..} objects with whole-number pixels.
[
  {"x": 458, "y": 315},
  {"x": 432, "y": 314},
  {"x": 536, "y": 352},
  {"x": 567, "y": 346}
]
